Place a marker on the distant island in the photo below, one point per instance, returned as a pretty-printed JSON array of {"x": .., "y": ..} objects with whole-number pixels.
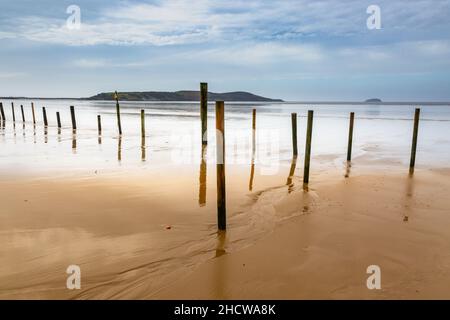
[
  {"x": 374, "y": 100},
  {"x": 184, "y": 95}
]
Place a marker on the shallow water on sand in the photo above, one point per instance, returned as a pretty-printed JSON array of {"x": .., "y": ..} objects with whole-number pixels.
[{"x": 136, "y": 214}]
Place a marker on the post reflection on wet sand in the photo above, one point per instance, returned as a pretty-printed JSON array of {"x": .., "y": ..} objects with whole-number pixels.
[
  {"x": 74, "y": 141},
  {"x": 289, "y": 182},
  {"x": 348, "y": 168},
  {"x": 202, "y": 177},
  {"x": 409, "y": 196},
  {"x": 143, "y": 149},
  {"x": 45, "y": 134},
  {"x": 119, "y": 148}
]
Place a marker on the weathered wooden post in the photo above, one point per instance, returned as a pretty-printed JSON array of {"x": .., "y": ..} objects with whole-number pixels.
[
  {"x": 294, "y": 134},
  {"x": 32, "y": 111},
  {"x": 220, "y": 152},
  {"x": 143, "y": 123},
  {"x": 99, "y": 124},
  {"x": 143, "y": 135},
  {"x": 58, "y": 120},
  {"x": 44, "y": 113},
  {"x": 72, "y": 115},
  {"x": 23, "y": 114},
  {"x": 308, "y": 149},
  {"x": 2, "y": 112},
  {"x": 13, "y": 113},
  {"x": 252, "y": 165},
  {"x": 350, "y": 137},
  {"x": 119, "y": 124},
  {"x": 414, "y": 141},
  {"x": 204, "y": 111}
]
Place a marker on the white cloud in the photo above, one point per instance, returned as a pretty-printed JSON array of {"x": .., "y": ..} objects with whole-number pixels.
[{"x": 185, "y": 21}]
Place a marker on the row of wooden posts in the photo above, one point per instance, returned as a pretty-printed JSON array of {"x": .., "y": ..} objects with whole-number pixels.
[
  {"x": 72, "y": 116},
  {"x": 220, "y": 140}
]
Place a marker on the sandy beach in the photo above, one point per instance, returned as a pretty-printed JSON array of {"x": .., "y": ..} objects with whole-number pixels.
[{"x": 307, "y": 245}]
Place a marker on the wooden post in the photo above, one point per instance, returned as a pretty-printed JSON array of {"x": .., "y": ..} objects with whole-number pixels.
[
  {"x": 23, "y": 114},
  {"x": 32, "y": 110},
  {"x": 58, "y": 120},
  {"x": 204, "y": 111},
  {"x": 220, "y": 152},
  {"x": 13, "y": 113},
  {"x": 72, "y": 114},
  {"x": 350, "y": 137},
  {"x": 254, "y": 119},
  {"x": 143, "y": 123},
  {"x": 308, "y": 148},
  {"x": 116, "y": 96},
  {"x": 414, "y": 141},
  {"x": 294, "y": 134},
  {"x": 2, "y": 111},
  {"x": 99, "y": 124},
  {"x": 45, "y": 116}
]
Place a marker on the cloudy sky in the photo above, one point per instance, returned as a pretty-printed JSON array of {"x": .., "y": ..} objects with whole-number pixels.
[{"x": 290, "y": 49}]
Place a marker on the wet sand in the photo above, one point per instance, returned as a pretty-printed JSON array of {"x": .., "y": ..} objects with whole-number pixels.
[
  {"x": 394, "y": 221},
  {"x": 139, "y": 238}
]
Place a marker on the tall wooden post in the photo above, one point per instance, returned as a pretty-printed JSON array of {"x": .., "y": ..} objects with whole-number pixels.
[
  {"x": 32, "y": 111},
  {"x": 204, "y": 111},
  {"x": 13, "y": 113},
  {"x": 99, "y": 124},
  {"x": 412, "y": 163},
  {"x": 119, "y": 124},
  {"x": 142, "y": 123},
  {"x": 2, "y": 112},
  {"x": 308, "y": 148},
  {"x": 23, "y": 114},
  {"x": 45, "y": 116},
  {"x": 294, "y": 134},
  {"x": 350, "y": 137},
  {"x": 58, "y": 120},
  {"x": 72, "y": 115},
  {"x": 220, "y": 152}
]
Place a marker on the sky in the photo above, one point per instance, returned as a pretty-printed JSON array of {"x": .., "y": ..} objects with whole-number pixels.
[{"x": 295, "y": 50}]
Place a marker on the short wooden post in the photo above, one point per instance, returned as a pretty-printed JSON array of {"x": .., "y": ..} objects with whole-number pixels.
[
  {"x": 294, "y": 134},
  {"x": 220, "y": 152},
  {"x": 308, "y": 148},
  {"x": 72, "y": 115},
  {"x": 204, "y": 111},
  {"x": 414, "y": 141},
  {"x": 350, "y": 137},
  {"x": 142, "y": 123},
  {"x": 2, "y": 112},
  {"x": 45, "y": 116},
  {"x": 13, "y": 113},
  {"x": 32, "y": 111},
  {"x": 99, "y": 124},
  {"x": 58, "y": 120},
  {"x": 119, "y": 124},
  {"x": 254, "y": 119},
  {"x": 23, "y": 114}
]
